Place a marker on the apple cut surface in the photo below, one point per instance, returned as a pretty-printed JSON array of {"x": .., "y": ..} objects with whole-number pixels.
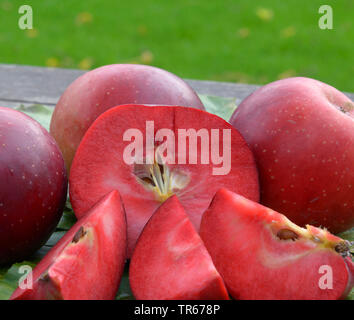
[
  {"x": 261, "y": 254},
  {"x": 170, "y": 261},
  {"x": 87, "y": 263},
  {"x": 100, "y": 166},
  {"x": 301, "y": 132},
  {"x": 103, "y": 88}
]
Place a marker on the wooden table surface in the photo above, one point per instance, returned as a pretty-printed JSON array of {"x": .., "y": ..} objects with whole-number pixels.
[{"x": 37, "y": 85}]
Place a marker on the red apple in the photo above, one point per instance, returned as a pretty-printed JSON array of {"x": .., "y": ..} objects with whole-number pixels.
[
  {"x": 108, "y": 86},
  {"x": 170, "y": 261},
  {"x": 302, "y": 134},
  {"x": 200, "y": 153},
  {"x": 33, "y": 185},
  {"x": 261, "y": 254},
  {"x": 87, "y": 263}
]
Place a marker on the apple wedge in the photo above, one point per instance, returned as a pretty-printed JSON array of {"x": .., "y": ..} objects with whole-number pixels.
[
  {"x": 262, "y": 255},
  {"x": 170, "y": 261},
  {"x": 149, "y": 153},
  {"x": 87, "y": 263}
]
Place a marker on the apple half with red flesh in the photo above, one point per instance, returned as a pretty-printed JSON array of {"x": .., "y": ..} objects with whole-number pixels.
[
  {"x": 261, "y": 254},
  {"x": 302, "y": 134},
  {"x": 100, "y": 164},
  {"x": 170, "y": 261},
  {"x": 33, "y": 185},
  {"x": 88, "y": 262},
  {"x": 103, "y": 88}
]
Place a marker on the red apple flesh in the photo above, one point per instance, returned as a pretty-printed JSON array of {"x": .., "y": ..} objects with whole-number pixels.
[
  {"x": 170, "y": 261},
  {"x": 108, "y": 86},
  {"x": 302, "y": 134},
  {"x": 100, "y": 165},
  {"x": 261, "y": 254},
  {"x": 88, "y": 262},
  {"x": 33, "y": 185}
]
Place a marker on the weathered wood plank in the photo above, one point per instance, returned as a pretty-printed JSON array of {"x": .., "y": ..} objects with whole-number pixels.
[
  {"x": 29, "y": 85},
  {"x": 34, "y": 84}
]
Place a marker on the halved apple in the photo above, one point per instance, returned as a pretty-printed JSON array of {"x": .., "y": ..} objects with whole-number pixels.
[{"x": 149, "y": 153}]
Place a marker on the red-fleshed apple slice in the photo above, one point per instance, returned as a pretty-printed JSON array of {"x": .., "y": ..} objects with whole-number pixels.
[
  {"x": 170, "y": 261},
  {"x": 100, "y": 166},
  {"x": 87, "y": 263},
  {"x": 262, "y": 255}
]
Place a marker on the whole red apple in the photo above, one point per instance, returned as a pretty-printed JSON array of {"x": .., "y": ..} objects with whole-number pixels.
[
  {"x": 33, "y": 185},
  {"x": 108, "y": 86},
  {"x": 302, "y": 134}
]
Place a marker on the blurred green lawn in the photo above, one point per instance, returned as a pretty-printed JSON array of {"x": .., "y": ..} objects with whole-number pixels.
[{"x": 243, "y": 41}]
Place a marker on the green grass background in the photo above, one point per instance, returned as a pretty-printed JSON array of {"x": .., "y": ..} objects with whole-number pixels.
[{"x": 241, "y": 41}]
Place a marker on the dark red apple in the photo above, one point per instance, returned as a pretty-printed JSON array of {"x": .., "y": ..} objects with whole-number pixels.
[
  {"x": 200, "y": 153},
  {"x": 302, "y": 134},
  {"x": 170, "y": 261},
  {"x": 261, "y": 254},
  {"x": 87, "y": 263},
  {"x": 33, "y": 185},
  {"x": 108, "y": 86}
]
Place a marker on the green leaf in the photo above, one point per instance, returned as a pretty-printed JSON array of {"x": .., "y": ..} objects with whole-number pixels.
[
  {"x": 223, "y": 107},
  {"x": 54, "y": 238},
  {"x": 40, "y": 113},
  {"x": 3, "y": 271},
  {"x": 347, "y": 235},
  {"x": 350, "y": 296},
  {"x": 124, "y": 292},
  {"x": 68, "y": 219}
]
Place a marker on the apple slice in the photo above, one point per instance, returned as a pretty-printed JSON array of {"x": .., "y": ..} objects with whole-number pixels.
[
  {"x": 194, "y": 173},
  {"x": 170, "y": 261},
  {"x": 262, "y": 255},
  {"x": 87, "y": 263}
]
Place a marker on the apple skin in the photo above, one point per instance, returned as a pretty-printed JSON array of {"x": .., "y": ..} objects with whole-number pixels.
[
  {"x": 170, "y": 261},
  {"x": 108, "y": 86},
  {"x": 88, "y": 261},
  {"x": 33, "y": 185},
  {"x": 301, "y": 132},
  {"x": 262, "y": 255}
]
